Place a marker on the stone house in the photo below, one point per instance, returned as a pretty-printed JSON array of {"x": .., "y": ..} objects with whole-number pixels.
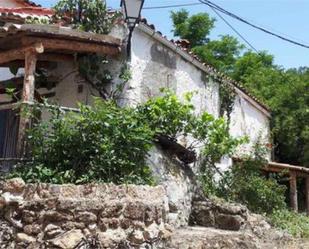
[{"x": 155, "y": 62}]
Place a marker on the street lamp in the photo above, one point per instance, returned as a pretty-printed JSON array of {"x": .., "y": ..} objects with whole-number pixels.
[{"x": 131, "y": 10}]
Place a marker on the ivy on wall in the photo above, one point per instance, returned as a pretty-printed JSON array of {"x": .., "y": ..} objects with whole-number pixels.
[{"x": 227, "y": 97}]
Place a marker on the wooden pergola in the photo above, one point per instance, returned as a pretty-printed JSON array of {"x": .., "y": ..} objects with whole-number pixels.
[
  {"x": 28, "y": 44},
  {"x": 294, "y": 172}
]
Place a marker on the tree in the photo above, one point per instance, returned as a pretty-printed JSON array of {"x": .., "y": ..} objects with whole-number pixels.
[
  {"x": 87, "y": 15},
  {"x": 221, "y": 54},
  {"x": 195, "y": 28},
  {"x": 285, "y": 91}
]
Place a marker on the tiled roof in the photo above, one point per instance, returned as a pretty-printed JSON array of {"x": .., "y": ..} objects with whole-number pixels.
[
  {"x": 56, "y": 31},
  {"x": 183, "y": 45},
  {"x": 19, "y": 15},
  {"x": 28, "y": 10}
]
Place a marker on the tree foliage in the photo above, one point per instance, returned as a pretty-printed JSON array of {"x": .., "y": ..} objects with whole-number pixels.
[
  {"x": 195, "y": 28},
  {"x": 285, "y": 91},
  {"x": 87, "y": 15}
]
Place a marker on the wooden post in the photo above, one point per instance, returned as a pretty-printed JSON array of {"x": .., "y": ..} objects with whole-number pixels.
[
  {"x": 293, "y": 191},
  {"x": 307, "y": 194},
  {"x": 27, "y": 96}
]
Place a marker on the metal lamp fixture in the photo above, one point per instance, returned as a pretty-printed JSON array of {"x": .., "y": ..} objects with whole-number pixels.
[{"x": 131, "y": 10}]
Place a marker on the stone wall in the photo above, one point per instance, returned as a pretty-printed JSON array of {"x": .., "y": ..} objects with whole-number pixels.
[{"x": 69, "y": 216}]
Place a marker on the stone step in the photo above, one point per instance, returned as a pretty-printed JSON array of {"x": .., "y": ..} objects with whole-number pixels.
[{"x": 211, "y": 238}]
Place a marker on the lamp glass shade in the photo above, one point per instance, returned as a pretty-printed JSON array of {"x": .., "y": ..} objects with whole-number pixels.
[{"x": 132, "y": 10}]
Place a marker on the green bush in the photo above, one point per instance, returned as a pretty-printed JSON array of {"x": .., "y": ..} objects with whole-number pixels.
[
  {"x": 294, "y": 223},
  {"x": 106, "y": 143},
  {"x": 101, "y": 143},
  {"x": 245, "y": 183}
]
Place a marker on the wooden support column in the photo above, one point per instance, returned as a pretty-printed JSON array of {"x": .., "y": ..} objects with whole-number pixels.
[
  {"x": 27, "y": 96},
  {"x": 307, "y": 194},
  {"x": 293, "y": 191}
]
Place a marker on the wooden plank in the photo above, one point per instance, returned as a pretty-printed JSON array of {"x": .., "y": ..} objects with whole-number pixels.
[
  {"x": 8, "y": 106},
  {"x": 289, "y": 166},
  {"x": 27, "y": 96},
  {"x": 280, "y": 170},
  {"x": 73, "y": 46},
  {"x": 57, "y": 31},
  {"x": 15, "y": 54},
  {"x": 293, "y": 192},
  {"x": 307, "y": 194}
]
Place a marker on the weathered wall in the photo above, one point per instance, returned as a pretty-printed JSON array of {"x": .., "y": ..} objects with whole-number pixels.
[
  {"x": 248, "y": 121},
  {"x": 154, "y": 65},
  {"x": 65, "y": 216},
  {"x": 178, "y": 182}
]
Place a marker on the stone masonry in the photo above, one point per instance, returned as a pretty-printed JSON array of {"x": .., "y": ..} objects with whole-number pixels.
[{"x": 69, "y": 216}]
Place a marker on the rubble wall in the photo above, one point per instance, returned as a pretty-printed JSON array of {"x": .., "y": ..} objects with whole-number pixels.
[{"x": 70, "y": 216}]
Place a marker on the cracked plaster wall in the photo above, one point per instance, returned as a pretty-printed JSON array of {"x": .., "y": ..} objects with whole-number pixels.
[{"x": 156, "y": 66}]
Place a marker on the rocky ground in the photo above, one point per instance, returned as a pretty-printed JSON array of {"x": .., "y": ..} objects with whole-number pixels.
[{"x": 213, "y": 238}]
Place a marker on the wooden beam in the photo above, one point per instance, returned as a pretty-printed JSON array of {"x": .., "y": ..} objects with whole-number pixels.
[
  {"x": 307, "y": 194},
  {"x": 10, "y": 106},
  {"x": 293, "y": 192},
  {"x": 280, "y": 170},
  {"x": 15, "y": 54},
  {"x": 289, "y": 166},
  {"x": 27, "y": 96},
  {"x": 73, "y": 46}
]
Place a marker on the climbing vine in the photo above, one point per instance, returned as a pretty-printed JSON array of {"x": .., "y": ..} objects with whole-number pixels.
[
  {"x": 93, "y": 69},
  {"x": 227, "y": 97}
]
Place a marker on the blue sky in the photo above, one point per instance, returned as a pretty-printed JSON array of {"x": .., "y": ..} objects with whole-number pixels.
[{"x": 287, "y": 17}]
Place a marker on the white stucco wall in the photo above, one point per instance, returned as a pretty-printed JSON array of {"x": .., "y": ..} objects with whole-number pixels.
[{"x": 154, "y": 65}]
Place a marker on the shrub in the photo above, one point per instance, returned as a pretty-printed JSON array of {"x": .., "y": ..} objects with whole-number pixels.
[
  {"x": 245, "y": 183},
  {"x": 168, "y": 115},
  {"x": 294, "y": 223},
  {"x": 107, "y": 143},
  {"x": 101, "y": 143}
]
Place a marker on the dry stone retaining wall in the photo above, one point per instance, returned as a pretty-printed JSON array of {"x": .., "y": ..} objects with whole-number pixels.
[{"x": 69, "y": 216}]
